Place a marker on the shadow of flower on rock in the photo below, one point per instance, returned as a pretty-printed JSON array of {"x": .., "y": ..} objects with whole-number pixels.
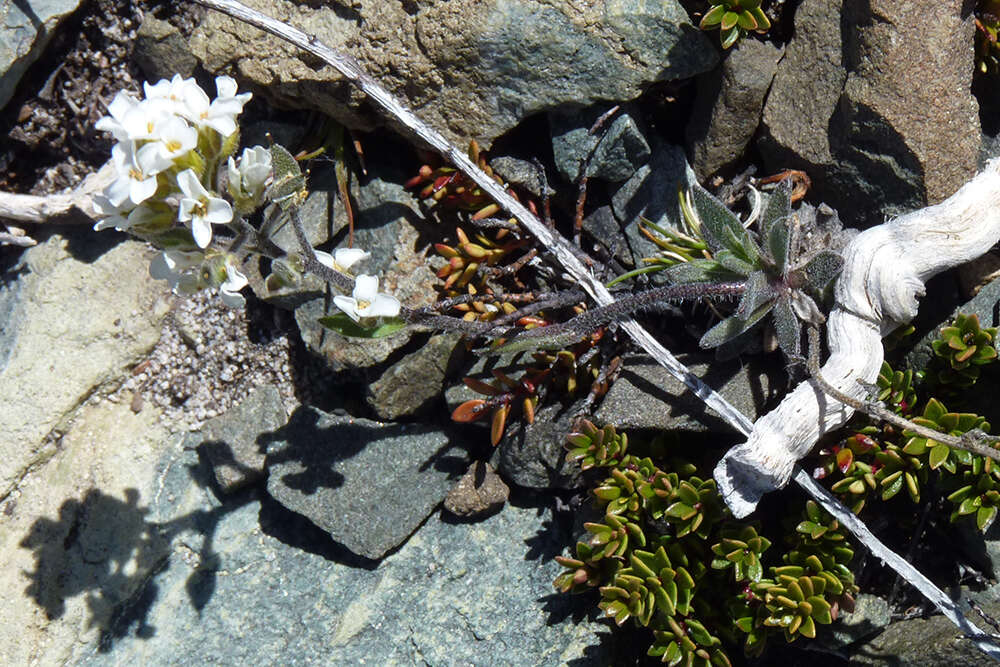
[{"x": 107, "y": 549}]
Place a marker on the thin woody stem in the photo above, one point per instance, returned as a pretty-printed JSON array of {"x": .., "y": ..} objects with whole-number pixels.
[{"x": 974, "y": 441}]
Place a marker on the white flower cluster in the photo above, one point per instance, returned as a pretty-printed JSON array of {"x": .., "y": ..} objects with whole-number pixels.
[
  {"x": 165, "y": 145},
  {"x": 169, "y": 146}
]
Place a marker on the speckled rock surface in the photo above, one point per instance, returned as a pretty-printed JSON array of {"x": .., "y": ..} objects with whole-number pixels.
[
  {"x": 479, "y": 491},
  {"x": 233, "y": 442},
  {"x": 472, "y": 69},
  {"x": 472, "y": 590},
  {"x": 54, "y": 352}
]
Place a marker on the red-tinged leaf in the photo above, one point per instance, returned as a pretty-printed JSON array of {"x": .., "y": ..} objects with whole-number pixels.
[
  {"x": 469, "y": 411},
  {"x": 845, "y": 458},
  {"x": 499, "y": 422},
  {"x": 529, "y": 410},
  {"x": 509, "y": 382}
]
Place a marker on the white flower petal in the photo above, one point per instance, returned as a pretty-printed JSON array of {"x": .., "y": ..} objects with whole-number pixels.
[
  {"x": 224, "y": 125},
  {"x": 365, "y": 288},
  {"x": 118, "y": 190},
  {"x": 218, "y": 211},
  {"x": 201, "y": 230},
  {"x": 140, "y": 191},
  {"x": 189, "y": 184},
  {"x": 348, "y": 305},
  {"x": 348, "y": 257},
  {"x": 324, "y": 258},
  {"x": 225, "y": 86},
  {"x": 384, "y": 305},
  {"x": 185, "y": 208}
]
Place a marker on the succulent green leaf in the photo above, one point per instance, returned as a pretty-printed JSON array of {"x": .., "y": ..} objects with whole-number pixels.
[
  {"x": 713, "y": 17},
  {"x": 939, "y": 454}
]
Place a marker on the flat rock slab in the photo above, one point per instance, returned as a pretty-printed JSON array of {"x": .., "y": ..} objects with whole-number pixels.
[
  {"x": 75, "y": 314},
  {"x": 369, "y": 485},
  {"x": 248, "y": 582},
  {"x": 232, "y": 442},
  {"x": 645, "y": 396}
]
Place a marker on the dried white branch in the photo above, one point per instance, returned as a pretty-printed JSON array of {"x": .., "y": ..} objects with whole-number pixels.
[
  {"x": 884, "y": 272},
  {"x": 35, "y": 208},
  {"x": 350, "y": 69}
]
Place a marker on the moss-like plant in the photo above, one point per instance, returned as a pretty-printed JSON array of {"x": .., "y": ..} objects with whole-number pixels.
[
  {"x": 734, "y": 19},
  {"x": 670, "y": 557},
  {"x": 965, "y": 346}
]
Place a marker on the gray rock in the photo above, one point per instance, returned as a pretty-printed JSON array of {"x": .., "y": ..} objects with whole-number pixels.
[
  {"x": 729, "y": 104},
  {"x": 245, "y": 581},
  {"x": 926, "y": 642},
  {"x": 603, "y": 228},
  {"x": 865, "y": 139},
  {"x": 232, "y": 442},
  {"x": 26, "y": 29},
  {"x": 480, "y": 492},
  {"x": 55, "y": 353},
  {"x": 645, "y": 396},
  {"x": 622, "y": 150},
  {"x": 884, "y": 130},
  {"x": 805, "y": 92},
  {"x": 473, "y": 69},
  {"x": 871, "y": 614},
  {"x": 532, "y": 455},
  {"x": 369, "y": 485},
  {"x": 651, "y": 193},
  {"x": 161, "y": 51},
  {"x": 412, "y": 383},
  {"x": 521, "y": 173}
]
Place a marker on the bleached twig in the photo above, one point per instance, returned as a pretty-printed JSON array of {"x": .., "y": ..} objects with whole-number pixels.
[
  {"x": 42, "y": 208},
  {"x": 351, "y": 70},
  {"x": 885, "y": 268}
]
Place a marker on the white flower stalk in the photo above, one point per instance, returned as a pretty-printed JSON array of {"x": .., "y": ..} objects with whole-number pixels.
[
  {"x": 366, "y": 301},
  {"x": 229, "y": 290},
  {"x": 136, "y": 180},
  {"x": 219, "y": 114},
  {"x": 342, "y": 259},
  {"x": 201, "y": 208}
]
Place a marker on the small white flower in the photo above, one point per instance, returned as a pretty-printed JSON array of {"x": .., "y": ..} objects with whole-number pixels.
[
  {"x": 201, "y": 208},
  {"x": 219, "y": 114},
  {"x": 116, "y": 216},
  {"x": 249, "y": 179},
  {"x": 174, "y": 92},
  {"x": 175, "y": 266},
  {"x": 365, "y": 300},
  {"x": 342, "y": 259},
  {"x": 135, "y": 181},
  {"x": 229, "y": 291},
  {"x": 119, "y": 106},
  {"x": 174, "y": 138}
]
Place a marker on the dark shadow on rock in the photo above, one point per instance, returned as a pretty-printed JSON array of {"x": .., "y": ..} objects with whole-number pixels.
[
  {"x": 87, "y": 551},
  {"x": 577, "y": 607},
  {"x": 86, "y": 245},
  {"x": 299, "y": 532},
  {"x": 314, "y": 448},
  {"x": 107, "y": 549}
]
